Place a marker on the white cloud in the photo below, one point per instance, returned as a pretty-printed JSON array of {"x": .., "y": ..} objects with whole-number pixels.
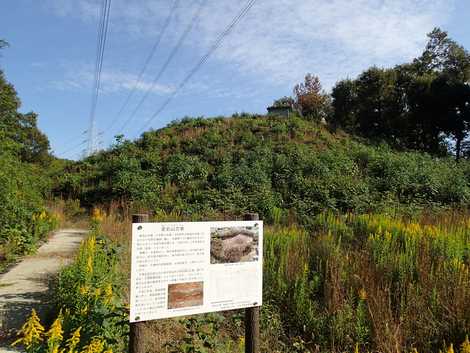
[
  {"x": 111, "y": 82},
  {"x": 280, "y": 40}
]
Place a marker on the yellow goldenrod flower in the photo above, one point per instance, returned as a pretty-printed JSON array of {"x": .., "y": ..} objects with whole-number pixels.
[
  {"x": 450, "y": 349},
  {"x": 108, "y": 290},
  {"x": 465, "y": 347},
  {"x": 91, "y": 244},
  {"x": 241, "y": 344},
  {"x": 108, "y": 294},
  {"x": 362, "y": 294},
  {"x": 74, "y": 340},
  {"x": 89, "y": 265},
  {"x": 97, "y": 215},
  {"x": 31, "y": 331},
  {"x": 84, "y": 290},
  {"x": 55, "y": 332},
  {"x": 356, "y": 350},
  {"x": 97, "y": 292},
  {"x": 95, "y": 346}
]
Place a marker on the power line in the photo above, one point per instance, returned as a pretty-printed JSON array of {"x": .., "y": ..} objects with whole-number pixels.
[
  {"x": 203, "y": 60},
  {"x": 72, "y": 148},
  {"x": 146, "y": 63},
  {"x": 101, "y": 44},
  {"x": 167, "y": 62}
]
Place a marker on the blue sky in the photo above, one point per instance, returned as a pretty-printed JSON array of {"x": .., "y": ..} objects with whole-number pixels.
[{"x": 53, "y": 42}]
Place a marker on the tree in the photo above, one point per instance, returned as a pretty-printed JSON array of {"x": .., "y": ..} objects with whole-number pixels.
[
  {"x": 3, "y": 44},
  {"x": 449, "y": 62},
  {"x": 443, "y": 55},
  {"x": 344, "y": 101},
  {"x": 20, "y": 130},
  {"x": 284, "y": 102},
  {"x": 311, "y": 100},
  {"x": 416, "y": 105},
  {"x": 452, "y": 103}
]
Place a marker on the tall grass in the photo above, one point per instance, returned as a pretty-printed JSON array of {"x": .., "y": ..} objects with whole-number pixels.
[{"x": 386, "y": 283}]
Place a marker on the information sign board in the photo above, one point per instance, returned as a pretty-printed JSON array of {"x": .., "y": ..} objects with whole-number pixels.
[{"x": 186, "y": 268}]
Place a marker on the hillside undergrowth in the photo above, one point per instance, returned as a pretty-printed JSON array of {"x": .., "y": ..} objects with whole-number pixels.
[{"x": 284, "y": 169}]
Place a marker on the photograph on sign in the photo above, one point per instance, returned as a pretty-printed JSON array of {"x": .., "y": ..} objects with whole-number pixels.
[
  {"x": 183, "y": 295},
  {"x": 186, "y": 268},
  {"x": 234, "y": 244}
]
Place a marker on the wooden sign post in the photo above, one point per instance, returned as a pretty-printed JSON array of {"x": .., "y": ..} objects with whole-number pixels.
[{"x": 251, "y": 314}]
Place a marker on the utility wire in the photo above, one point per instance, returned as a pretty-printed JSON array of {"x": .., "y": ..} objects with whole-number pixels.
[
  {"x": 167, "y": 62},
  {"x": 101, "y": 45},
  {"x": 146, "y": 63},
  {"x": 64, "y": 152},
  {"x": 203, "y": 60}
]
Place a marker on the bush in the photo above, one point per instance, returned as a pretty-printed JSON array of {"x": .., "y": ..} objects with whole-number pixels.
[
  {"x": 23, "y": 217},
  {"x": 263, "y": 164}
]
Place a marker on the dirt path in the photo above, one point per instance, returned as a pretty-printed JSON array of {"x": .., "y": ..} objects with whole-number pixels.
[{"x": 25, "y": 286}]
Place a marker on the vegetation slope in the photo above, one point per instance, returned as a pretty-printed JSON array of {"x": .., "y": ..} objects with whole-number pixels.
[{"x": 282, "y": 168}]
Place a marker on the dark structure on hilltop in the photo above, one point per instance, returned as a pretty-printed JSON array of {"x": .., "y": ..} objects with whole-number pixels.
[{"x": 282, "y": 107}]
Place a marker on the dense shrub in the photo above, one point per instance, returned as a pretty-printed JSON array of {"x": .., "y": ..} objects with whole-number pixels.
[
  {"x": 23, "y": 219},
  {"x": 271, "y": 165}
]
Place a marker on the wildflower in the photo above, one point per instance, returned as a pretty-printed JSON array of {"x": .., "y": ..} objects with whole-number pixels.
[
  {"x": 97, "y": 292},
  {"x": 31, "y": 331},
  {"x": 362, "y": 294},
  {"x": 108, "y": 294},
  {"x": 97, "y": 215},
  {"x": 356, "y": 350},
  {"x": 241, "y": 343},
  {"x": 84, "y": 290},
  {"x": 91, "y": 244},
  {"x": 74, "y": 340},
  {"x": 95, "y": 346},
  {"x": 450, "y": 349},
  {"x": 89, "y": 265},
  {"x": 55, "y": 332},
  {"x": 465, "y": 347}
]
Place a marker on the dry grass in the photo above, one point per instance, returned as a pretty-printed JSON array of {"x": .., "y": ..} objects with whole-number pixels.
[{"x": 68, "y": 214}]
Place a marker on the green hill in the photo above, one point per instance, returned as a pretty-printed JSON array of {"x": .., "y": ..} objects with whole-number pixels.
[{"x": 280, "y": 167}]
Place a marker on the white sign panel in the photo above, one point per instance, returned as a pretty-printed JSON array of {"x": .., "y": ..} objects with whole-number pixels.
[{"x": 186, "y": 268}]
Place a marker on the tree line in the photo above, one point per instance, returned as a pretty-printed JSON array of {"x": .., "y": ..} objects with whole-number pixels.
[
  {"x": 423, "y": 105},
  {"x": 25, "y": 162}
]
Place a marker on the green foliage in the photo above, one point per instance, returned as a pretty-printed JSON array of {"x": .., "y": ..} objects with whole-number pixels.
[
  {"x": 200, "y": 335},
  {"x": 88, "y": 293},
  {"x": 23, "y": 179},
  {"x": 420, "y": 105},
  {"x": 22, "y": 188},
  {"x": 284, "y": 169}
]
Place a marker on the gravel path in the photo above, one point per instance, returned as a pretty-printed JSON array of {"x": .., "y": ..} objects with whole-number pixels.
[{"x": 26, "y": 285}]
